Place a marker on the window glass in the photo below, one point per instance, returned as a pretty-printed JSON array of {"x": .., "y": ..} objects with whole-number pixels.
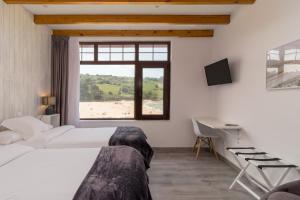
[
  {"x": 116, "y": 56},
  {"x": 87, "y": 52},
  {"x": 146, "y": 56},
  {"x": 146, "y": 48},
  {"x": 129, "y": 56},
  {"x": 153, "y": 52},
  {"x": 160, "y": 56},
  {"x": 161, "y": 48},
  {"x": 116, "y": 52},
  {"x": 104, "y": 56},
  {"x": 129, "y": 48},
  {"x": 104, "y": 48},
  {"x": 116, "y": 48},
  {"x": 106, "y": 91},
  {"x": 153, "y": 87}
]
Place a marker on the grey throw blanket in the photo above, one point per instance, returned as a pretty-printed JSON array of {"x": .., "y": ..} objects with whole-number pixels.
[
  {"x": 118, "y": 174},
  {"x": 289, "y": 191},
  {"x": 133, "y": 137}
]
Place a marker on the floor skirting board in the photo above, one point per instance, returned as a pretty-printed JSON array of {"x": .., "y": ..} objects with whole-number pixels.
[{"x": 172, "y": 149}]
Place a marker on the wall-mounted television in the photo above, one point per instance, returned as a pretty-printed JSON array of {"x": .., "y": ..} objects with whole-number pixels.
[{"x": 218, "y": 73}]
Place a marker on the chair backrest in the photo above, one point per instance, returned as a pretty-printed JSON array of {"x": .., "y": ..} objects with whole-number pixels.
[
  {"x": 202, "y": 130},
  {"x": 196, "y": 127}
]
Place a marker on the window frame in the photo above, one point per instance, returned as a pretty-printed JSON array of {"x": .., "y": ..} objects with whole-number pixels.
[{"x": 138, "y": 79}]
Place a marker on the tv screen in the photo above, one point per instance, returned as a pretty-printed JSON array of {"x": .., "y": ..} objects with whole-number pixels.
[{"x": 218, "y": 73}]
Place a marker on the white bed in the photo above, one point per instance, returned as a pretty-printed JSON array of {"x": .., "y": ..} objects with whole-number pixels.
[
  {"x": 44, "y": 174},
  {"x": 71, "y": 137}
]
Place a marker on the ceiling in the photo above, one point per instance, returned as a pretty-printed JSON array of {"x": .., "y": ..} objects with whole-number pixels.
[
  {"x": 174, "y": 18},
  {"x": 131, "y": 27},
  {"x": 133, "y": 10}
]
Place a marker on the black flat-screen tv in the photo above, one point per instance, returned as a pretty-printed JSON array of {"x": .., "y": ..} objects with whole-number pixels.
[{"x": 218, "y": 73}]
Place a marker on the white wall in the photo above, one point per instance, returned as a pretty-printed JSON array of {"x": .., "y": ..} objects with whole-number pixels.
[
  {"x": 189, "y": 93},
  {"x": 270, "y": 119},
  {"x": 24, "y": 62}
]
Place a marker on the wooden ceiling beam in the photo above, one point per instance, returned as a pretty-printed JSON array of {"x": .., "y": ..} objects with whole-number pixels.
[
  {"x": 136, "y": 19},
  {"x": 122, "y": 2},
  {"x": 135, "y": 33}
]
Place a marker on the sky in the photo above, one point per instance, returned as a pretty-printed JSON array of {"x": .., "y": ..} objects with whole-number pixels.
[{"x": 118, "y": 70}]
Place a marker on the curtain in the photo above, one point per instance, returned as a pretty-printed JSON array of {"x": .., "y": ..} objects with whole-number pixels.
[
  {"x": 74, "y": 82},
  {"x": 60, "y": 74}
]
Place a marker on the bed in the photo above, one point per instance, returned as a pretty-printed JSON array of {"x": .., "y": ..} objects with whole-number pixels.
[
  {"x": 65, "y": 174},
  {"x": 71, "y": 137},
  {"x": 40, "y": 135}
]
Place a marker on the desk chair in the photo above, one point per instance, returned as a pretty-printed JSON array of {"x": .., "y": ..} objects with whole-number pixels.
[{"x": 205, "y": 135}]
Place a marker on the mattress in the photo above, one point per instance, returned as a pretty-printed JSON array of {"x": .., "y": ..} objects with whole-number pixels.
[
  {"x": 46, "y": 174},
  {"x": 82, "y": 138},
  {"x": 71, "y": 137}
]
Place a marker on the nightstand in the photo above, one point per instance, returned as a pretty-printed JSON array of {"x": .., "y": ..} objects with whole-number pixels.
[{"x": 53, "y": 120}]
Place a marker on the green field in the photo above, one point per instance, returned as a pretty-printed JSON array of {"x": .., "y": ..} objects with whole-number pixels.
[{"x": 97, "y": 88}]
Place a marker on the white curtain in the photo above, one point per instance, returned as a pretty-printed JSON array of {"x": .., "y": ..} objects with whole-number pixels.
[{"x": 74, "y": 82}]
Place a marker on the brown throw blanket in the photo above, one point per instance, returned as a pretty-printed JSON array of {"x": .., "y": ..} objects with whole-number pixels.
[
  {"x": 133, "y": 137},
  {"x": 118, "y": 174}
]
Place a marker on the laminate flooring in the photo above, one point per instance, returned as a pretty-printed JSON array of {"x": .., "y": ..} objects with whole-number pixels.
[{"x": 179, "y": 176}]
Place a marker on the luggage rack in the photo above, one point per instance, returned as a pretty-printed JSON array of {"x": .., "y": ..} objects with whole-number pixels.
[{"x": 261, "y": 161}]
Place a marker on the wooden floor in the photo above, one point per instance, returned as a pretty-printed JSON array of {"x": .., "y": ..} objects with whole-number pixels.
[{"x": 178, "y": 176}]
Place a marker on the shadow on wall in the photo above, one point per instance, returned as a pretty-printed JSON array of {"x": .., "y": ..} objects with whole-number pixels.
[{"x": 235, "y": 68}]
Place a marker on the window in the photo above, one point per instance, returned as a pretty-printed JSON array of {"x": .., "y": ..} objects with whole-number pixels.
[
  {"x": 125, "y": 80},
  {"x": 87, "y": 52}
]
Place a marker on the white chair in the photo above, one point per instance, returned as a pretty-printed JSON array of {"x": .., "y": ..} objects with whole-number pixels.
[{"x": 206, "y": 135}]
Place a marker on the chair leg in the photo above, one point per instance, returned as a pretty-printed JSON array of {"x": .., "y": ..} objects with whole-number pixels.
[
  {"x": 209, "y": 145},
  {"x": 199, "y": 147},
  {"x": 195, "y": 145},
  {"x": 214, "y": 149}
]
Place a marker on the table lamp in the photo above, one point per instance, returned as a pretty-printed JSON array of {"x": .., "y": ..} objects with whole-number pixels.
[{"x": 50, "y": 102}]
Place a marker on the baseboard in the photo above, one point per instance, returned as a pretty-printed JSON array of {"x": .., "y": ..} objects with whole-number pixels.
[
  {"x": 172, "y": 149},
  {"x": 175, "y": 149}
]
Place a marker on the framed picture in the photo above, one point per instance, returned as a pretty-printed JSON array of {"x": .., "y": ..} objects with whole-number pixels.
[{"x": 283, "y": 66}]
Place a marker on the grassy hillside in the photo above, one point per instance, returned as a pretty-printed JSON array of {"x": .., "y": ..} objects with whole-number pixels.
[{"x": 114, "y": 88}]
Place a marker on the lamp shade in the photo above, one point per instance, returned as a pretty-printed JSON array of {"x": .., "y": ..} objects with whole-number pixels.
[
  {"x": 49, "y": 101},
  {"x": 52, "y": 101}
]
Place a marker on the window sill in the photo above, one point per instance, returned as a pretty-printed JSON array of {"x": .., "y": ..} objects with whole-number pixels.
[
  {"x": 121, "y": 120},
  {"x": 108, "y": 120}
]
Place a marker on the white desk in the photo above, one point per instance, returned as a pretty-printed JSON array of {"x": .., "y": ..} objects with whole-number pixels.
[
  {"x": 216, "y": 124},
  {"x": 219, "y": 125}
]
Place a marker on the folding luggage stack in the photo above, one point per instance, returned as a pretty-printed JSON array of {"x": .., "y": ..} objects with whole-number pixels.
[{"x": 262, "y": 161}]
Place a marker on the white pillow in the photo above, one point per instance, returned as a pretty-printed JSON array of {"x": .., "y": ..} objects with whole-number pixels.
[
  {"x": 26, "y": 126},
  {"x": 12, "y": 151},
  {"x": 8, "y": 137},
  {"x": 37, "y": 141}
]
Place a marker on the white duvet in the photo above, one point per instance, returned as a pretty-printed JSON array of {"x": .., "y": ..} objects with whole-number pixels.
[
  {"x": 46, "y": 174},
  {"x": 71, "y": 137}
]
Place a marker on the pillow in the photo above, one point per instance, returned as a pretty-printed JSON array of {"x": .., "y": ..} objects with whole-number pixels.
[
  {"x": 37, "y": 141},
  {"x": 8, "y": 137},
  {"x": 26, "y": 126},
  {"x": 11, "y": 152}
]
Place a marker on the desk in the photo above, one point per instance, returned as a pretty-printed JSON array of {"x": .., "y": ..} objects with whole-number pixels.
[
  {"x": 216, "y": 124},
  {"x": 219, "y": 125}
]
